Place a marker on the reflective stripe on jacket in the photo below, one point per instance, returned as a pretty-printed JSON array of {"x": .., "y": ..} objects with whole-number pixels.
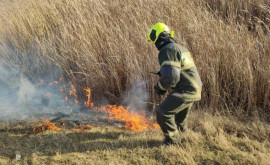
[{"x": 178, "y": 71}]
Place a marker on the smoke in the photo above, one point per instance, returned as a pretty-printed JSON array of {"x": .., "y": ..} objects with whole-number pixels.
[
  {"x": 137, "y": 97},
  {"x": 21, "y": 98},
  {"x": 26, "y": 90},
  {"x": 9, "y": 84},
  {"x": 24, "y": 97}
]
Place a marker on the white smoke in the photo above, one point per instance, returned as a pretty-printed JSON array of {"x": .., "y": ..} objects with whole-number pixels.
[
  {"x": 26, "y": 90},
  {"x": 21, "y": 99},
  {"x": 137, "y": 97},
  {"x": 14, "y": 87}
]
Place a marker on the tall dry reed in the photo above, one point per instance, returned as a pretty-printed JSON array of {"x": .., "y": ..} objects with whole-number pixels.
[{"x": 103, "y": 44}]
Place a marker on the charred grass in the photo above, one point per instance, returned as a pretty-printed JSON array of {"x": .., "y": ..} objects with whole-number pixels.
[{"x": 211, "y": 139}]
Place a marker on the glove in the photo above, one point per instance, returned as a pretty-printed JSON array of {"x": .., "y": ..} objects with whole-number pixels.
[{"x": 158, "y": 90}]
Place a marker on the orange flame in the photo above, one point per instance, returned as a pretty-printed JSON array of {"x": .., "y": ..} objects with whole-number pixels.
[
  {"x": 61, "y": 89},
  {"x": 133, "y": 120},
  {"x": 41, "y": 82},
  {"x": 47, "y": 125},
  {"x": 88, "y": 103},
  {"x": 73, "y": 92},
  {"x": 53, "y": 83}
]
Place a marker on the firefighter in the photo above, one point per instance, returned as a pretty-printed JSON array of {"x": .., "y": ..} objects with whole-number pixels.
[{"x": 179, "y": 73}]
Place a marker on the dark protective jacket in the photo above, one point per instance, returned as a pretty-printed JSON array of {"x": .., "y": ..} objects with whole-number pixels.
[{"x": 178, "y": 71}]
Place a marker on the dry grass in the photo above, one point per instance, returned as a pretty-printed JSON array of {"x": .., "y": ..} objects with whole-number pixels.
[
  {"x": 212, "y": 139},
  {"x": 102, "y": 44},
  {"x": 250, "y": 12}
]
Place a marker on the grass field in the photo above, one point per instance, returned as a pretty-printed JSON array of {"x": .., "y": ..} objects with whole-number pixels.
[
  {"x": 211, "y": 139},
  {"x": 102, "y": 44}
]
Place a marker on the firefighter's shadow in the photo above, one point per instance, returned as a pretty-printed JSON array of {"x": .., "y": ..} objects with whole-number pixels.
[{"x": 51, "y": 144}]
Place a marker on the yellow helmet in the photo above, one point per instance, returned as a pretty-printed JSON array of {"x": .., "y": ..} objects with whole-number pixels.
[{"x": 156, "y": 30}]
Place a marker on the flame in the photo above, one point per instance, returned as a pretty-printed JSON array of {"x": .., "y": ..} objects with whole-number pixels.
[
  {"x": 61, "y": 89},
  {"x": 88, "y": 103},
  {"x": 53, "y": 83},
  {"x": 41, "y": 82},
  {"x": 133, "y": 120},
  {"x": 73, "y": 92},
  {"x": 47, "y": 125}
]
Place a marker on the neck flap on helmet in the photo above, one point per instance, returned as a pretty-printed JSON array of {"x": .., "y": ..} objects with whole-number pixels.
[{"x": 164, "y": 39}]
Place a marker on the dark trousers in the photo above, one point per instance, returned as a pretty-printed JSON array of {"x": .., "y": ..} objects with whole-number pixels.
[{"x": 172, "y": 116}]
